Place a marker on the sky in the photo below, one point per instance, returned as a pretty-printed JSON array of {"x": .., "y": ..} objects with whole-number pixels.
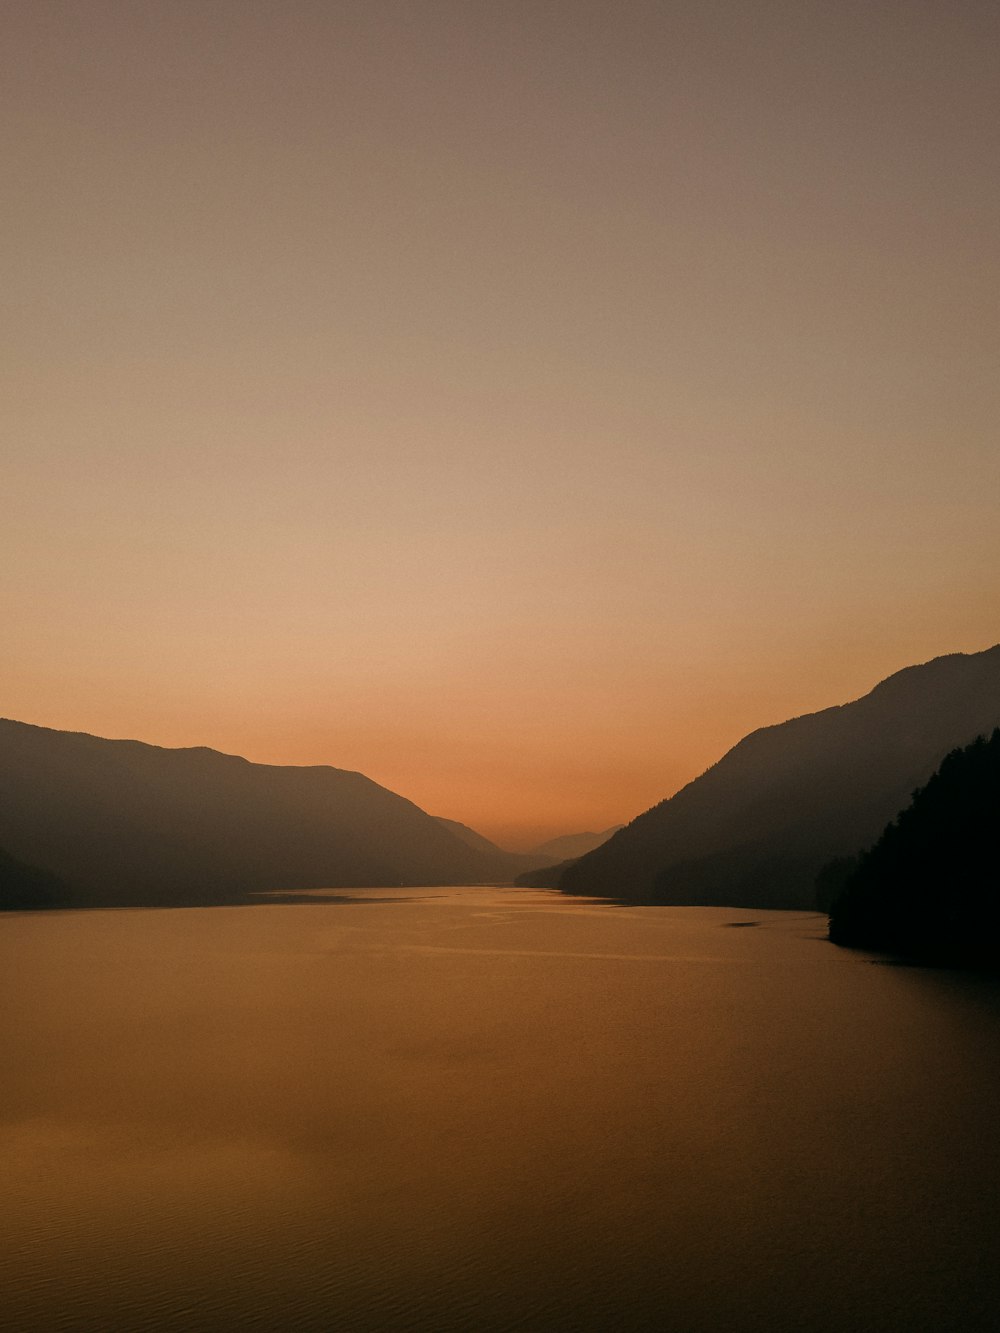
[{"x": 515, "y": 402}]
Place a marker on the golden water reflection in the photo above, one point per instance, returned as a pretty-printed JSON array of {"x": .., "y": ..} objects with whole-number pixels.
[{"x": 483, "y": 1109}]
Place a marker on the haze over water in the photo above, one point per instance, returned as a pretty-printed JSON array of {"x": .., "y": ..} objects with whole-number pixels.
[{"x": 464, "y": 1108}]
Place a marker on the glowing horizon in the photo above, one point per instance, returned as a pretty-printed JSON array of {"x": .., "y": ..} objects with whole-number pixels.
[{"x": 517, "y": 407}]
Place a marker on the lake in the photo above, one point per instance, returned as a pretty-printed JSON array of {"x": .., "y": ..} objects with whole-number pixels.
[{"x": 482, "y": 1109}]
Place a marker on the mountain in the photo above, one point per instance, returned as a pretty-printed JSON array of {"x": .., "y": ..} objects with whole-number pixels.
[
  {"x": 549, "y": 862},
  {"x": 470, "y": 837},
  {"x": 929, "y": 889},
  {"x": 519, "y": 863},
  {"x": 569, "y": 846},
  {"x": 545, "y": 876},
  {"x": 122, "y": 822},
  {"x": 23, "y": 886},
  {"x": 754, "y": 830}
]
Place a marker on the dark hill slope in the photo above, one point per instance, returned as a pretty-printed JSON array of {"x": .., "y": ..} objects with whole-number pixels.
[
  {"x": 24, "y": 887},
  {"x": 470, "y": 837},
  {"x": 125, "y": 822},
  {"x": 513, "y": 862},
  {"x": 754, "y": 829},
  {"x": 930, "y": 887}
]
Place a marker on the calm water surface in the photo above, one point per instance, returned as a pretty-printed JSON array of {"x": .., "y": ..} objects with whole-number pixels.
[{"x": 480, "y": 1110}]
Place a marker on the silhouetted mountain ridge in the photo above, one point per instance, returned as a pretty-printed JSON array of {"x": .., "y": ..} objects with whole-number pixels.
[
  {"x": 125, "y": 822},
  {"x": 469, "y": 836},
  {"x": 929, "y": 888},
  {"x": 755, "y": 828},
  {"x": 515, "y": 862}
]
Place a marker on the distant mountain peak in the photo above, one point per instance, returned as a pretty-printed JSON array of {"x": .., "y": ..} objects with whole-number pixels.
[{"x": 569, "y": 846}]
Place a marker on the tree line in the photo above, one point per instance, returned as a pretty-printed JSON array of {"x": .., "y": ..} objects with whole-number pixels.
[{"x": 929, "y": 889}]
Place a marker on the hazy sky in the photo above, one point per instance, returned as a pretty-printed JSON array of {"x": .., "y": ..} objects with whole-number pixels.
[{"x": 517, "y": 402}]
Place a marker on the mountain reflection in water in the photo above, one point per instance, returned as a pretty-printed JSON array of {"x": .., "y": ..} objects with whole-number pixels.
[{"x": 488, "y": 1109}]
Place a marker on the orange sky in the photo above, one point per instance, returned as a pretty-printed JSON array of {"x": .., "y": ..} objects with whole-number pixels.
[{"x": 515, "y": 402}]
